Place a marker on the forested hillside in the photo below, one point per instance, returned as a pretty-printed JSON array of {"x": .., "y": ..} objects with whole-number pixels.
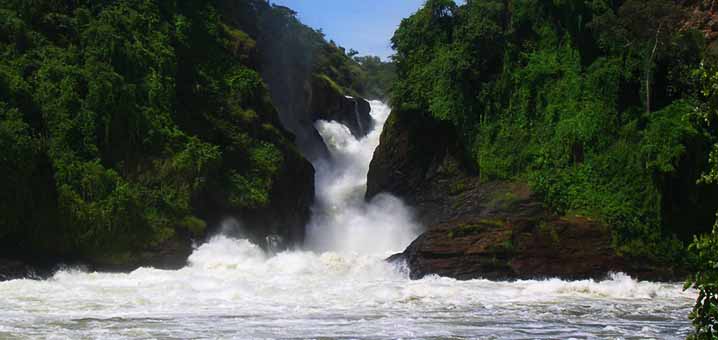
[
  {"x": 380, "y": 76},
  {"x": 126, "y": 125},
  {"x": 596, "y": 104}
]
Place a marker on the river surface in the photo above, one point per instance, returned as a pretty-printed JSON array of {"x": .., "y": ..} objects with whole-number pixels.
[{"x": 339, "y": 288}]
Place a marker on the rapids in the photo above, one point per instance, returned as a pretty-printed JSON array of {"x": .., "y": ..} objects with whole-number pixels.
[{"x": 339, "y": 287}]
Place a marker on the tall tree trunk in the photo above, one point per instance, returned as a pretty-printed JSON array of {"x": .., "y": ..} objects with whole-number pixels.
[{"x": 648, "y": 70}]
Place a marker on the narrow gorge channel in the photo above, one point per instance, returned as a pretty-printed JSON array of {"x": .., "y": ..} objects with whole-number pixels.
[{"x": 338, "y": 287}]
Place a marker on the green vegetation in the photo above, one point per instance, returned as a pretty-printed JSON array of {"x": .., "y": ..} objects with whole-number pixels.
[
  {"x": 591, "y": 102},
  {"x": 705, "y": 280},
  {"x": 379, "y": 76},
  {"x": 705, "y": 247},
  {"x": 502, "y": 198},
  {"x": 116, "y": 117},
  {"x": 124, "y": 123},
  {"x": 458, "y": 187}
]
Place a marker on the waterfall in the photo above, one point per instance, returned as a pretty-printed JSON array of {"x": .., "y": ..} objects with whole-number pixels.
[{"x": 342, "y": 221}]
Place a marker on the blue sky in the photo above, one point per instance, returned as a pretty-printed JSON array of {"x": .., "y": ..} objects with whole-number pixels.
[{"x": 364, "y": 25}]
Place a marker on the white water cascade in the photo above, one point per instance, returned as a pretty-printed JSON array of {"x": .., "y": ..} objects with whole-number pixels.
[
  {"x": 339, "y": 289},
  {"x": 342, "y": 221}
]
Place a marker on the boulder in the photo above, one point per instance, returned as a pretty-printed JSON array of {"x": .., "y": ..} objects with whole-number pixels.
[{"x": 499, "y": 249}]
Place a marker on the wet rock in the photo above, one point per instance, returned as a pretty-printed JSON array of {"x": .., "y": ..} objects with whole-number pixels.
[
  {"x": 421, "y": 162},
  {"x": 171, "y": 254},
  {"x": 327, "y": 102},
  {"x": 498, "y": 249},
  {"x": 14, "y": 269}
]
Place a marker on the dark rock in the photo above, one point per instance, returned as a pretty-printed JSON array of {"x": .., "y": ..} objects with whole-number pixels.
[
  {"x": 568, "y": 248},
  {"x": 293, "y": 68},
  {"x": 171, "y": 254},
  {"x": 29, "y": 267},
  {"x": 421, "y": 161},
  {"x": 327, "y": 102},
  {"x": 290, "y": 88},
  {"x": 14, "y": 269},
  {"x": 301, "y": 96}
]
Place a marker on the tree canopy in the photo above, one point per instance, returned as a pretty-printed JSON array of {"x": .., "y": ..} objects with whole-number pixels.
[{"x": 589, "y": 102}]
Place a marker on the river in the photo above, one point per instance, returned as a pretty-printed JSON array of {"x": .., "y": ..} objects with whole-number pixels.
[{"x": 338, "y": 287}]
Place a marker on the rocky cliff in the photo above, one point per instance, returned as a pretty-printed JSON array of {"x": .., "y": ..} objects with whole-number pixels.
[{"x": 494, "y": 230}]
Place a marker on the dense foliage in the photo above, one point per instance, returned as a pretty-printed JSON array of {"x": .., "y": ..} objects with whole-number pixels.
[
  {"x": 705, "y": 247},
  {"x": 124, "y": 123},
  {"x": 117, "y": 116},
  {"x": 589, "y": 101},
  {"x": 379, "y": 76}
]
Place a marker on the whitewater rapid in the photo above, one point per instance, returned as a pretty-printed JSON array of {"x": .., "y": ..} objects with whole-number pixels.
[{"x": 340, "y": 288}]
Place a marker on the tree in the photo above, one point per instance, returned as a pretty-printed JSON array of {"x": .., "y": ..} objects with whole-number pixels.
[
  {"x": 645, "y": 26},
  {"x": 705, "y": 247}
]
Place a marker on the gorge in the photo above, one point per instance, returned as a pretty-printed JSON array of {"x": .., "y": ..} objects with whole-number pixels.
[
  {"x": 337, "y": 286},
  {"x": 218, "y": 169}
]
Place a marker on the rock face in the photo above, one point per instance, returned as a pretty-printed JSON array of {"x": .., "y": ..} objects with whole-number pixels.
[
  {"x": 419, "y": 161},
  {"x": 494, "y": 230},
  {"x": 301, "y": 96},
  {"x": 325, "y": 101},
  {"x": 294, "y": 61}
]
